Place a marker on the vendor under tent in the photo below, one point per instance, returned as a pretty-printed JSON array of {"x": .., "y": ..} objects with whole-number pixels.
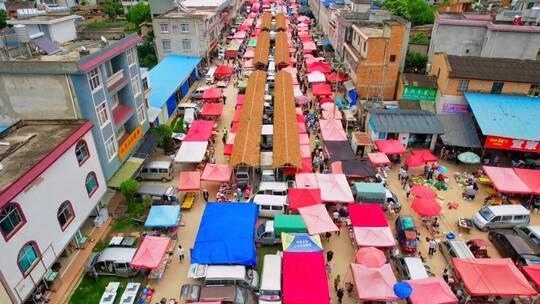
[
  {"x": 390, "y": 146},
  {"x": 374, "y": 284},
  {"x": 216, "y": 173},
  {"x": 334, "y": 188},
  {"x": 163, "y": 216},
  {"x": 304, "y": 278},
  {"x": 191, "y": 152},
  {"x": 226, "y": 235},
  {"x": 303, "y": 197},
  {"x": 288, "y": 223},
  {"x": 189, "y": 181},
  {"x": 321, "y": 89},
  {"x": 338, "y": 150},
  {"x": 425, "y": 155},
  {"x": 492, "y": 277},
  {"x": 317, "y": 219},
  {"x": 316, "y": 77},
  {"x": 506, "y": 180},
  {"x": 212, "y": 109},
  {"x": 306, "y": 181},
  {"x": 378, "y": 158},
  {"x": 431, "y": 291},
  {"x": 151, "y": 253},
  {"x": 321, "y": 67},
  {"x": 200, "y": 130},
  {"x": 301, "y": 242},
  {"x": 212, "y": 94}
]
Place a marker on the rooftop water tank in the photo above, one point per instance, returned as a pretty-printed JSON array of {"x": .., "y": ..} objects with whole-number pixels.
[{"x": 21, "y": 32}]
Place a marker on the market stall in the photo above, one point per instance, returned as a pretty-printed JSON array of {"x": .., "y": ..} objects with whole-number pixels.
[
  {"x": 153, "y": 255},
  {"x": 163, "y": 216},
  {"x": 431, "y": 291},
  {"x": 378, "y": 158},
  {"x": 304, "y": 278},
  {"x": 300, "y": 242},
  {"x": 191, "y": 152},
  {"x": 303, "y": 197},
  {"x": 190, "y": 182},
  {"x": 321, "y": 67},
  {"x": 317, "y": 219},
  {"x": 370, "y": 193},
  {"x": 212, "y": 94},
  {"x": 216, "y": 173},
  {"x": 316, "y": 77},
  {"x": 374, "y": 284},
  {"x": 212, "y": 109},
  {"x": 288, "y": 223},
  {"x": 390, "y": 146},
  {"x": 307, "y": 181},
  {"x": 334, "y": 188},
  {"x": 338, "y": 150},
  {"x": 200, "y": 131},
  {"x": 370, "y": 227}
]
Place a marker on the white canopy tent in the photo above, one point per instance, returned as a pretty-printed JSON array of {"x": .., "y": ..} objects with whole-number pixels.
[{"x": 191, "y": 152}]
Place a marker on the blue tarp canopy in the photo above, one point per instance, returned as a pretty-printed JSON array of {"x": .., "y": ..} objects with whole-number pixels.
[
  {"x": 226, "y": 235},
  {"x": 328, "y": 3},
  {"x": 166, "y": 77},
  {"x": 162, "y": 217},
  {"x": 506, "y": 115}
]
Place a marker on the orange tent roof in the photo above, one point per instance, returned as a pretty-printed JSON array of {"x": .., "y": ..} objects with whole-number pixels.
[{"x": 263, "y": 48}]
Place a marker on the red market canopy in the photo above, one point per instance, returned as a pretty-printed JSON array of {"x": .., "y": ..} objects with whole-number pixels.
[
  {"x": 390, "y": 146},
  {"x": 531, "y": 178},
  {"x": 431, "y": 291},
  {"x": 216, "y": 173},
  {"x": 374, "y": 284},
  {"x": 319, "y": 66},
  {"x": 229, "y": 144},
  {"x": 334, "y": 77},
  {"x": 212, "y": 109},
  {"x": 370, "y": 257},
  {"x": 307, "y": 167},
  {"x": 151, "y": 252},
  {"x": 378, "y": 158},
  {"x": 304, "y": 278},
  {"x": 200, "y": 130},
  {"x": 426, "y": 206},
  {"x": 303, "y": 197},
  {"x": 317, "y": 219},
  {"x": 189, "y": 181},
  {"x": 306, "y": 38},
  {"x": 533, "y": 273},
  {"x": 240, "y": 99},
  {"x": 492, "y": 277},
  {"x": 328, "y": 101},
  {"x": 223, "y": 70},
  {"x": 414, "y": 161},
  {"x": 423, "y": 191},
  {"x": 506, "y": 180},
  {"x": 237, "y": 115},
  {"x": 367, "y": 215},
  {"x": 321, "y": 89},
  {"x": 212, "y": 93},
  {"x": 426, "y": 155}
]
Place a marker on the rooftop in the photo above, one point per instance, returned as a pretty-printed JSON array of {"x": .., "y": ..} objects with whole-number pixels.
[
  {"x": 496, "y": 69},
  {"x": 372, "y": 30},
  {"x": 419, "y": 80},
  {"x": 482, "y": 20},
  {"x": 204, "y": 13},
  {"x": 42, "y": 19},
  {"x": 29, "y": 143},
  {"x": 406, "y": 121}
]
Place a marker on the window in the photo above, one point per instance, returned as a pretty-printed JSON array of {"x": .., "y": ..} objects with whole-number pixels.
[
  {"x": 120, "y": 132},
  {"x": 81, "y": 152},
  {"x": 392, "y": 58},
  {"x": 110, "y": 146},
  {"x": 65, "y": 215},
  {"x": 166, "y": 44},
  {"x": 186, "y": 44},
  {"x": 115, "y": 101},
  {"x": 164, "y": 27},
  {"x": 534, "y": 90},
  {"x": 145, "y": 84},
  {"x": 91, "y": 183},
  {"x": 497, "y": 87},
  {"x": 136, "y": 85},
  {"x": 463, "y": 85},
  {"x": 131, "y": 57},
  {"x": 184, "y": 28},
  {"x": 28, "y": 257},
  {"x": 93, "y": 79},
  {"x": 103, "y": 114},
  {"x": 141, "y": 113},
  {"x": 11, "y": 220}
]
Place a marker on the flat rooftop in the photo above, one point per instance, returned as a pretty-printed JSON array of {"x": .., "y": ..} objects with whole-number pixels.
[
  {"x": 370, "y": 30},
  {"x": 42, "y": 19},
  {"x": 200, "y": 13},
  {"x": 25, "y": 143}
]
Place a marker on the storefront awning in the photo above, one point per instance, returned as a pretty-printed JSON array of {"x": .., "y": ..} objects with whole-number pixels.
[
  {"x": 459, "y": 130},
  {"x": 127, "y": 171},
  {"x": 405, "y": 121}
]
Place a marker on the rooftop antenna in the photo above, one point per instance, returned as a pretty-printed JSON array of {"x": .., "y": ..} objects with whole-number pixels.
[{"x": 181, "y": 7}]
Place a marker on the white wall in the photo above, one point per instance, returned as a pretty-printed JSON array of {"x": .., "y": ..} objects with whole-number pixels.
[
  {"x": 63, "y": 180},
  {"x": 63, "y": 31}
]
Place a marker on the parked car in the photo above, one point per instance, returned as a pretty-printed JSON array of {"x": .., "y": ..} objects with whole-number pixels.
[
  {"x": 531, "y": 234},
  {"x": 455, "y": 249},
  {"x": 113, "y": 261},
  {"x": 412, "y": 268},
  {"x": 223, "y": 294},
  {"x": 198, "y": 92},
  {"x": 406, "y": 233},
  {"x": 511, "y": 245}
]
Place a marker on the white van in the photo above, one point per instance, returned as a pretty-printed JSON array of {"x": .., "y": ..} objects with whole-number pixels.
[
  {"x": 503, "y": 216},
  {"x": 272, "y": 188},
  {"x": 226, "y": 275},
  {"x": 455, "y": 249},
  {"x": 270, "y": 291},
  {"x": 157, "y": 170},
  {"x": 210, "y": 75},
  {"x": 270, "y": 205},
  {"x": 198, "y": 92},
  {"x": 411, "y": 268},
  {"x": 158, "y": 193},
  {"x": 190, "y": 114},
  {"x": 182, "y": 107}
]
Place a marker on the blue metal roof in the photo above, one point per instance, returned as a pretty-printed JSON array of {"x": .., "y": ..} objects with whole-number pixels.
[
  {"x": 166, "y": 77},
  {"x": 506, "y": 115}
]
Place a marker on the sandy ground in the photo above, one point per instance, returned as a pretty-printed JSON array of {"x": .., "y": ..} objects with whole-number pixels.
[{"x": 176, "y": 274}]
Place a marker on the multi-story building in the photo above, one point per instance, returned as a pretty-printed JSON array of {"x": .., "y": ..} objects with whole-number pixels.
[
  {"x": 51, "y": 184},
  {"x": 478, "y": 35},
  {"x": 457, "y": 75},
  {"x": 95, "y": 80},
  {"x": 454, "y": 6}
]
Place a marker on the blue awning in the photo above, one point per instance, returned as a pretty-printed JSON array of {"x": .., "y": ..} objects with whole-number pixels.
[
  {"x": 163, "y": 216},
  {"x": 166, "y": 77},
  {"x": 328, "y": 3}
]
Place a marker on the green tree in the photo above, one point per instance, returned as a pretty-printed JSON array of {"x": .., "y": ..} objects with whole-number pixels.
[
  {"x": 112, "y": 9},
  {"x": 419, "y": 38},
  {"x": 415, "y": 62},
  {"x": 146, "y": 51},
  {"x": 165, "y": 140},
  {"x": 139, "y": 13},
  {"x": 128, "y": 189},
  {"x": 418, "y": 12},
  {"x": 3, "y": 19}
]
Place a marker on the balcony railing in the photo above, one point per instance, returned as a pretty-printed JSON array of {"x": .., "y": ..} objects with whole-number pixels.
[{"x": 115, "y": 79}]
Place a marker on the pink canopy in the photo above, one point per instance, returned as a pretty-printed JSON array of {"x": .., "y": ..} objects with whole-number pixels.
[
  {"x": 374, "y": 284},
  {"x": 321, "y": 89},
  {"x": 151, "y": 252},
  {"x": 426, "y": 155},
  {"x": 304, "y": 139},
  {"x": 250, "y": 53},
  {"x": 431, "y": 291},
  {"x": 374, "y": 236},
  {"x": 336, "y": 167},
  {"x": 330, "y": 124},
  {"x": 239, "y": 35},
  {"x": 423, "y": 191},
  {"x": 304, "y": 278},
  {"x": 290, "y": 69},
  {"x": 335, "y": 114},
  {"x": 229, "y": 144},
  {"x": 306, "y": 38},
  {"x": 326, "y": 106},
  {"x": 506, "y": 180},
  {"x": 426, "y": 206},
  {"x": 200, "y": 130},
  {"x": 212, "y": 93},
  {"x": 530, "y": 177},
  {"x": 189, "y": 181},
  {"x": 334, "y": 188},
  {"x": 317, "y": 219},
  {"x": 301, "y": 128},
  {"x": 212, "y": 109},
  {"x": 309, "y": 46},
  {"x": 305, "y": 151},
  {"x": 306, "y": 180},
  {"x": 367, "y": 215},
  {"x": 318, "y": 66},
  {"x": 310, "y": 59},
  {"x": 390, "y": 146},
  {"x": 223, "y": 70},
  {"x": 370, "y": 257},
  {"x": 492, "y": 277},
  {"x": 414, "y": 161},
  {"x": 216, "y": 173},
  {"x": 240, "y": 99},
  {"x": 378, "y": 158},
  {"x": 304, "y": 197},
  {"x": 237, "y": 115},
  {"x": 333, "y": 134},
  {"x": 248, "y": 63}
]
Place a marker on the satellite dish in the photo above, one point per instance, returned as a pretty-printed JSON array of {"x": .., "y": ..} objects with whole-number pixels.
[{"x": 103, "y": 39}]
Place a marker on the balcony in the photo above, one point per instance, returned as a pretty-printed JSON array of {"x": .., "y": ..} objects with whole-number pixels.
[
  {"x": 115, "y": 80},
  {"x": 121, "y": 114}
]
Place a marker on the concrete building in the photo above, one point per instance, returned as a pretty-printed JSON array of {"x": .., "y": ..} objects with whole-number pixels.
[
  {"x": 457, "y": 75},
  {"x": 95, "y": 80},
  {"x": 51, "y": 184},
  {"x": 57, "y": 28},
  {"x": 478, "y": 35}
]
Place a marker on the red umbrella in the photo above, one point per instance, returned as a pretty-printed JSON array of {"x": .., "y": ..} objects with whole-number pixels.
[
  {"x": 426, "y": 207},
  {"x": 370, "y": 257},
  {"x": 423, "y": 191},
  {"x": 414, "y": 161},
  {"x": 223, "y": 70},
  {"x": 334, "y": 77}
]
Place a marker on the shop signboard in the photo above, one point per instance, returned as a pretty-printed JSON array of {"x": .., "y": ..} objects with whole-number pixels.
[
  {"x": 505, "y": 143},
  {"x": 419, "y": 93},
  {"x": 130, "y": 142},
  {"x": 455, "y": 108}
]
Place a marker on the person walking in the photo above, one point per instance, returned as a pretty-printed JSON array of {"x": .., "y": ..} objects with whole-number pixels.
[
  {"x": 337, "y": 280},
  {"x": 335, "y": 216},
  {"x": 339, "y": 294},
  {"x": 180, "y": 251},
  {"x": 349, "y": 287},
  {"x": 205, "y": 195},
  {"x": 432, "y": 247},
  {"x": 329, "y": 255},
  {"x": 407, "y": 190},
  {"x": 328, "y": 268},
  {"x": 327, "y": 236},
  {"x": 338, "y": 225}
]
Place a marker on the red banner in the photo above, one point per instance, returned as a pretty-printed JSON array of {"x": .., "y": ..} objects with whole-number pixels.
[{"x": 505, "y": 143}]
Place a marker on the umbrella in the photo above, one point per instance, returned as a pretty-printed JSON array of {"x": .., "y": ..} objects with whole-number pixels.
[
  {"x": 414, "y": 161},
  {"x": 403, "y": 290},
  {"x": 442, "y": 169},
  {"x": 370, "y": 257},
  {"x": 426, "y": 207},
  {"x": 423, "y": 191},
  {"x": 469, "y": 158}
]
